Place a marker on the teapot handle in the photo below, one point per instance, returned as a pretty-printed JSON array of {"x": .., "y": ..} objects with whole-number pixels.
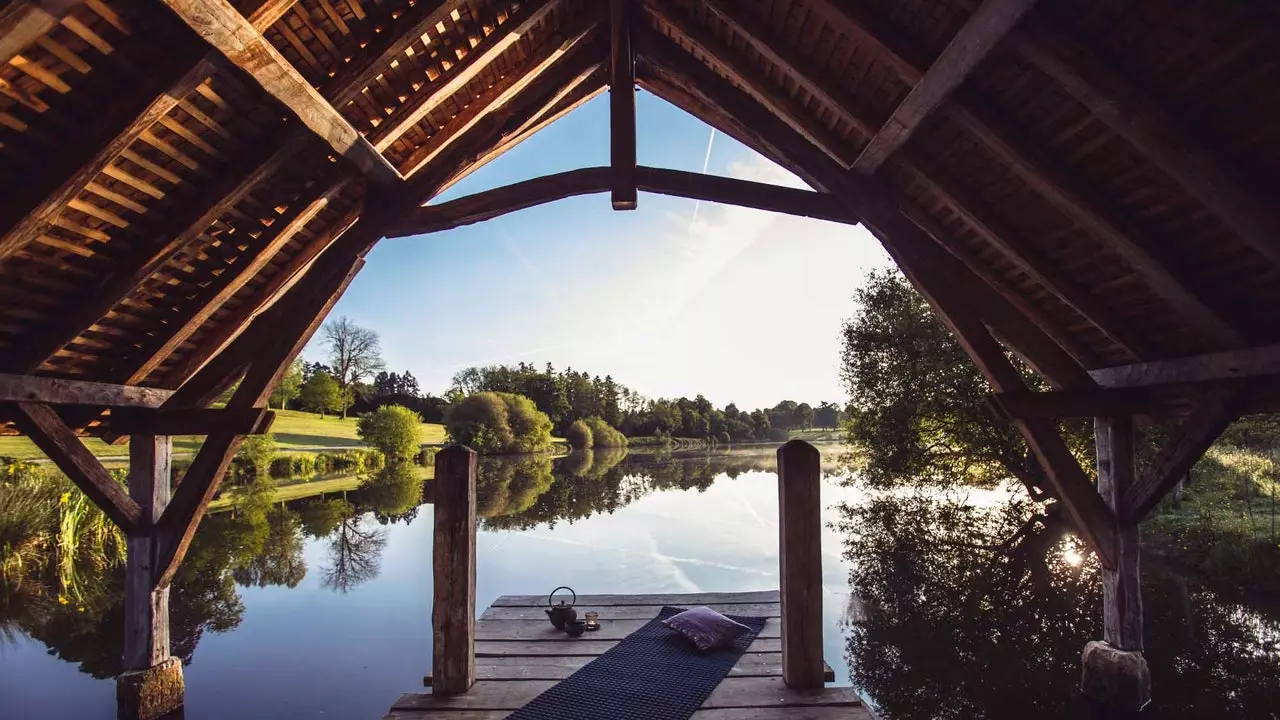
[{"x": 562, "y": 587}]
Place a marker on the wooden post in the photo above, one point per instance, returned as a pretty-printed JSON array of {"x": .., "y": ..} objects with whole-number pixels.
[
  {"x": 453, "y": 614},
  {"x": 800, "y": 523},
  {"x": 152, "y": 684},
  {"x": 1115, "y": 672}
]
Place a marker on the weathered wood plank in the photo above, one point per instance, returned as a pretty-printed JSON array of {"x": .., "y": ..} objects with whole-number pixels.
[
  {"x": 22, "y": 22},
  {"x": 1247, "y": 362},
  {"x": 561, "y": 667},
  {"x": 622, "y": 106},
  {"x": 56, "y": 440},
  {"x": 1121, "y": 585},
  {"x": 984, "y": 29},
  {"x": 674, "y": 599},
  {"x": 632, "y": 612},
  {"x": 541, "y": 630},
  {"x": 146, "y": 620},
  {"x": 200, "y": 421},
  {"x": 223, "y": 27},
  {"x": 60, "y": 391},
  {"x": 758, "y": 713},
  {"x": 453, "y": 625},
  {"x": 732, "y": 693},
  {"x": 579, "y": 647},
  {"x": 800, "y": 540}
]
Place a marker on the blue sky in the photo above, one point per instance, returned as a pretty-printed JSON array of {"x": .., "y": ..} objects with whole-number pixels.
[{"x": 739, "y": 305}]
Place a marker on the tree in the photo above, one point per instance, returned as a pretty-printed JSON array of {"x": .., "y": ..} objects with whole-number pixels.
[
  {"x": 393, "y": 429},
  {"x": 579, "y": 436},
  {"x": 354, "y": 352},
  {"x": 499, "y": 422},
  {"x": 320, "y": 393},
  {"x": 803, "y": 416},
  {"x": 289, "y": 387},
  {"x": 603, "y": 434},
  {"x": 827, "y": 415}
]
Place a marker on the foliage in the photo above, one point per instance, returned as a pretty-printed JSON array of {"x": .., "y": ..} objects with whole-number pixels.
[
  {"x": 385, "y": 383},
  {"x": 497, "y": 422},
  {"x": 579, "y": 435},
  {"x": 288, "y": 388},
  {"x": 321, "y": 393},
  {"x": 394, "y": 489},
  {"x": 255, "y": 454},
  {"x": 320, "y": 516},
  {"x": 393, "y": 429},
  {"x": 355, "y": 353},
  {"x": 509, "y": 486},
  {"x": 917, "y": 415},
  {"x": 604, "y": 435}
]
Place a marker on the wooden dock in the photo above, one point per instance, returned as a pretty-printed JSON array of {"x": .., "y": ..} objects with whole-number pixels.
[{"x": 518, "y": 655}]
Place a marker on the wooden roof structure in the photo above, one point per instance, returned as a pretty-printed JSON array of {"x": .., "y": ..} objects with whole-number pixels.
[{"x": 189, "y": 185}]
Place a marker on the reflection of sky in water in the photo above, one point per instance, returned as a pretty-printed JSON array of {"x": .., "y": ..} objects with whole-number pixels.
[{"x": 310, "y": 652}]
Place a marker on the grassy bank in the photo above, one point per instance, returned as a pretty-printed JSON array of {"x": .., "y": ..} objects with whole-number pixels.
[
  {"x": 297, "y": 489},
  {"x": 293, "y": 430}
]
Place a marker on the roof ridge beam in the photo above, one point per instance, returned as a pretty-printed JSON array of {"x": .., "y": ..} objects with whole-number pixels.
[
  {"x": 979, "y": 35},
  {"x": 1139, "y": 118},
  {"x": 230, "y": 33},
  {"x": 622, "y": 106}
]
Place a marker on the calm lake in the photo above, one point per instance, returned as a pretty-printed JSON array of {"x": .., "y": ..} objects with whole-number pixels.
[{"x": 936, "y": 606}]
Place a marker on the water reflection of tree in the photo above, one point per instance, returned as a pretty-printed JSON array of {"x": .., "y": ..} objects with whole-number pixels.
[
  {"x": 280, "y": 562},
  {"x": 968, "y": 612},
  {"x": 392, "y": 492},
  {"x": 355, "y": 555}
]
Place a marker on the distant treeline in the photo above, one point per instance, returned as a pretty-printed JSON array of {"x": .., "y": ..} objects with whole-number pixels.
[{"x": 568, "y": 395}]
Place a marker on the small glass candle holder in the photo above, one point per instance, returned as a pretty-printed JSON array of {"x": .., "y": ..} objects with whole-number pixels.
[{"x": 593, "y": 621}]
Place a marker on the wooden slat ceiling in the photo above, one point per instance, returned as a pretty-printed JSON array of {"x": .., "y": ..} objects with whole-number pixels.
[{"x": 1107, "y": 165}]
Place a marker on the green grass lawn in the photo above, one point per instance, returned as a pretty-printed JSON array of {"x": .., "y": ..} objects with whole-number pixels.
[{"x": 293, "y": 430}]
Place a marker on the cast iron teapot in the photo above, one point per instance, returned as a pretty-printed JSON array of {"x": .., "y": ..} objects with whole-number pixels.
[{"x": 561, "y": 614}]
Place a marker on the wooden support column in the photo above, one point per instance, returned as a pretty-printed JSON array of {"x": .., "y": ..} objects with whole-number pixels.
[
  {"x": 152, "y": 684},
  {"x": 1115, "y": 672},
  {"x": 800, "y": 525},
  {"x": 622, "y": 106},
  {"x": 453, "y": 614}
]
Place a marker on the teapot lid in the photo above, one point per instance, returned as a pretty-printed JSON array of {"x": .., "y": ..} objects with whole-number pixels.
[{"x": 552, "y": 596}]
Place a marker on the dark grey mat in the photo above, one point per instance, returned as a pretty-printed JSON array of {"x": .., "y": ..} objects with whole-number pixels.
[{"x": 654, "y": 673}]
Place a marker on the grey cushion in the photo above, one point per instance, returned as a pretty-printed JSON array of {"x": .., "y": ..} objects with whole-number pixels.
[{"x": 706, "y": 628}]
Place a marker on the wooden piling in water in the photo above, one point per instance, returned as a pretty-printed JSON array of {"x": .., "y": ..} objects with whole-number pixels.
[
  {"x": 453, "y": 615},
  {"x": 800, "y": 525}
]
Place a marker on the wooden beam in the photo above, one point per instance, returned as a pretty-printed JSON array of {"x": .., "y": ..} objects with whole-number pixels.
[
  {"x": 1122, "y": 584},
  {"x": 622, "y": 106},
  {"x": 742, "y": 74},
  {"x": 1249, "y": 362},
  {"x": 1048, "y": 177},
  {"x": 1180, "y": 452},
  {"x": 59, "y": 391},
  {"x": 428, "y": 98},
  {"x": 926, "y": 265},
  {"x": 268, "y": 12},
  {"x": 387, "y": 46},
  {"x": 800, "y": 564},
  {"x": 198, "y": 421},
  {"x": 34, "y": 205},
  {"x": 233, "y": 279},
  {"x": 189, "y": 221},
  {"x": 493, "y": 203},
  {"x": 1135, "y": 115},
  {"x": 56, "y": 440},
  {"x": 547, "y": 64},
  {"x": 453, "y": 569},
  {"x": 229, "y": 32},
  {"x": 23, "y": 22},
  {"x": 980, "y": 34},
  {"x": 146, "y": 616}
]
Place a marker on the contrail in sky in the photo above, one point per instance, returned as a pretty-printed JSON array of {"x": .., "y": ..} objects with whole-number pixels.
[{"x": 706, "y": 160}]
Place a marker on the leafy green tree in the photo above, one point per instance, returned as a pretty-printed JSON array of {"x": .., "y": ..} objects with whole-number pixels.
[
  {"x": 498, "y": 422},
  {"x": 289, "y": 387},
  {"x": 827, "y": 416},
  {"x": 256, "y": 452},
  {"x": 579, "y": 435},
  {"x": 321, "y": 394},
  {"x": 604, "y": 435},
  {"x": 803, "y": 416},
  {"x": 393, "y": 429}
]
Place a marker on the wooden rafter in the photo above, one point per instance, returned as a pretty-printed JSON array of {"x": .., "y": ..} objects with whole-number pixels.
[
  {"x": 622, "y": 106},
  {"x": 59, "y": 442},
  {"x": 191, "y": 219},
  {"x": 1136, "y": 116},
  {"x": 742, "y": 74},
  {"x": 1169, "y": 400},
  {"x": 983, "y": 31},
  {"x": 990, "y": 227},
  {"x": 22, "y": 22},
  {"x": 925, "y": 264},
  {"x": 232, "y": 279},
  {"x": 1231, "y": 364},
  {"x": 229, "y": 32},
  {"x": 200, "y": 421},
  {"x": 548, "y": 61},
  {"x": 414, "y": 110},
  {"x": 1046, "y": 176}
]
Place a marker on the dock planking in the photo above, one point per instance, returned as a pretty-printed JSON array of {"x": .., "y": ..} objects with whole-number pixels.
[{"x": 519, "y": 656}]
